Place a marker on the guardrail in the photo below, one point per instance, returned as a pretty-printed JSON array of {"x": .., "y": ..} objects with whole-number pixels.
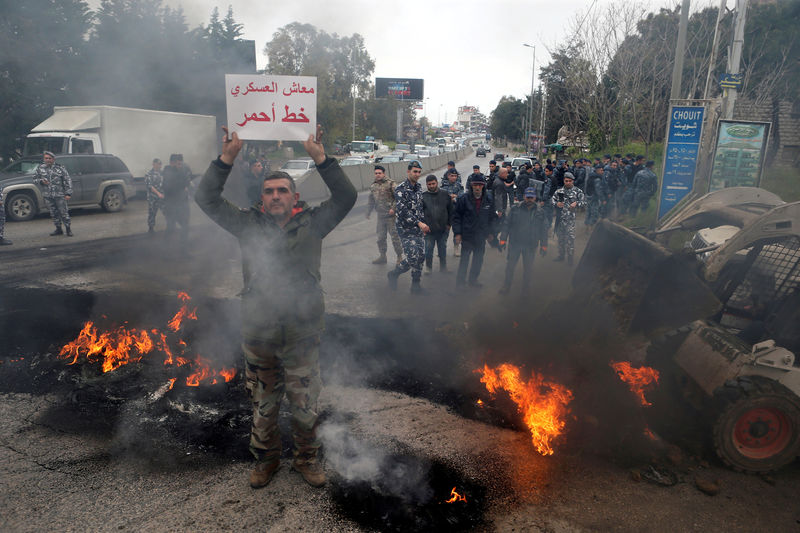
[{"x": 362, "y": 176}]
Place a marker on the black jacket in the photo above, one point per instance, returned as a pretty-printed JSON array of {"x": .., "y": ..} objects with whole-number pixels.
[
  {"x": 525, "y": 227},
  {"x": 474, "y": 225},
  {"x": 438, "y": 209}
]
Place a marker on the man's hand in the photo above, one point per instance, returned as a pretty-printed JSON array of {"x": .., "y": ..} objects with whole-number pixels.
[
  {"x": 424, "y": 227},
  {"x": 560, "y": 205},
  {"x": 457, "y": 239},
  {"x": 314, "y": 148},
  {"x": 391, "y": 212},
  {"x": 230, "y": 147},
  {"x": 573, "y": 205},
  {"x": 67, "y": 197}
]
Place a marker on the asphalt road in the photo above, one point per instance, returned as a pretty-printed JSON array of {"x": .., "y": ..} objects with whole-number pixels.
[{"x": 56, "y": 475}]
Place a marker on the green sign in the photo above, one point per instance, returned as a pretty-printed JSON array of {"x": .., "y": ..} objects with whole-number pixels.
[{"x": 739, "y": 154}]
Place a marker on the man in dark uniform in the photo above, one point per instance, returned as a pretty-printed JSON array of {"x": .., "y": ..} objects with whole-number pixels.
[
  {"x": 282, "y": 301},
  {"x": 525, "y": 229},
  {"x": 474, "y": 222},
  {"x": 438, "y": 210},
  {"x": 411, "y": 228},
  {"x": 177, "y": 178}
]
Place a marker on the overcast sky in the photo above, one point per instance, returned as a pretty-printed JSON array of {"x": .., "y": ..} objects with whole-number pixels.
[{"x": 469, "y": 52}]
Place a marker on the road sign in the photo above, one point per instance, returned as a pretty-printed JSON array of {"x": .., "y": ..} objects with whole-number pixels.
[
  {"x": 731, "y": 81},
  {"x": 680, "y": 155}
]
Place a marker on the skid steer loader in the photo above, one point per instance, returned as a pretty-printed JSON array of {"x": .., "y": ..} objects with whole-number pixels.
[{"x": 722, "y": 315}]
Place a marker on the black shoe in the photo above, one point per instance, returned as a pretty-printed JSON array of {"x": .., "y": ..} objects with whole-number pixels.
[
  {"x": 416, "y": 288},
  {"x": 69, "y": 231},
  {"x": 477, "y": 284},
  {"x": 58, "y": 231},
  {"x": 559, "y": 258},
  {"x": 5, "y": 242},
  {"x": 392, "y": 275}
]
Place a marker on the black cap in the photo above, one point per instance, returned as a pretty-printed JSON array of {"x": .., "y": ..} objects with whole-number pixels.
[
  {"x": 476, "y": 166},
  {"x": 176, "y": 157},
  {"x": 452, "y": 163},
  {"x": 477, "y": 181},
  {"x": 414, "y": 164},
  {"x": 649, "y": 164},
  {"x": 640, "y": 158},
  {"x": 528, "y": 165}
]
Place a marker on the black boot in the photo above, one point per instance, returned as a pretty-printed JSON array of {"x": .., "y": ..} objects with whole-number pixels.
[
  {"x": 392, "y": 275},
  {"x": 69, "y": 230},
  {"x": 58, "y": 231}
]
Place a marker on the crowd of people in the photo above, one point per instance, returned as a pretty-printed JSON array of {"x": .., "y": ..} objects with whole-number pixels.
[{"x": 502, "y": 208}]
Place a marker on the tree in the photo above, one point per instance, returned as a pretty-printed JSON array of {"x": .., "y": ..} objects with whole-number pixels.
[
  {"x": 506, "y": 119},
  {"x": 41, "y": 44}
]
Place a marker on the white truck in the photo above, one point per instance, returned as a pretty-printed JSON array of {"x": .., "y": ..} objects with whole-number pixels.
[
  {"x": 136, "y": 136},
  {"x": 369, "y": 150}
]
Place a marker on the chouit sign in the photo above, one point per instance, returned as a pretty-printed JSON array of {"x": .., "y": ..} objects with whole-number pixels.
[
  {"x": 271, "y": 108},
  {"x": 680, "y": 155}
]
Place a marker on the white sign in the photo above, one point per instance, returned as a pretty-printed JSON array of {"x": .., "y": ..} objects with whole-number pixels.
[{"x": 271, "y": 108}]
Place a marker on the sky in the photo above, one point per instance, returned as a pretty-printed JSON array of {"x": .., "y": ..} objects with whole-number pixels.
[{"x": 469, "y": 52}]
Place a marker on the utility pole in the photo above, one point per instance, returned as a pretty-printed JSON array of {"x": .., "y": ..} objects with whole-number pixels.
[
  {"x": 680, "y": 50},
  {"x": 543, "y": 90},
  {"x": 735, "y": 56},
  {"x": 714, "y": 48},
  {"x": 526, "y": 136}
]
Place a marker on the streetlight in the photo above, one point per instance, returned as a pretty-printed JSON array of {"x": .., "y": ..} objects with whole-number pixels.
[
  {"x": 424, "y": 115},
  {"x": 530, "y": 106}
]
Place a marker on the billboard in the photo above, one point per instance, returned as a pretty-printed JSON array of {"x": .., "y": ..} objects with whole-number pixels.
[
  {"x": 680, "y": 155},
  {"x": 400, "y": 88},
  {"x": 739, "y": 154}
]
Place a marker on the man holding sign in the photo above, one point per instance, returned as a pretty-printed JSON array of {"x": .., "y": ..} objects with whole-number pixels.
[{"x": 282, "y": 302}]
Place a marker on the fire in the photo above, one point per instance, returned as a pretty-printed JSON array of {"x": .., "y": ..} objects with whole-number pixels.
[
  {"x": 121, "y": 346},
  {"x": 183, "y": 313},
  {"x": 456, "y": 497},
  {"x": 638, "y": 379},
  {"x": 543, "y": 403},
  {"x": 649, "y": 434}
]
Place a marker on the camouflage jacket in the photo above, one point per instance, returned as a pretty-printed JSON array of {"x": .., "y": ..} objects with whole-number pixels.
[
  {"x": 645, "y": 182},
  {"x": 59, "y": 183},
  {"x": 568, "y": 196},
  {"x": 381, "y": 197},
  {"x": 408, "y": 199},
  {"x": 154, "y": 178},
  {"x": 282, "y": 298}
]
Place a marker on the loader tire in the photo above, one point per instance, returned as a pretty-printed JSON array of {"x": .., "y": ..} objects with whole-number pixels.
[{"x": 757, "y": 426}]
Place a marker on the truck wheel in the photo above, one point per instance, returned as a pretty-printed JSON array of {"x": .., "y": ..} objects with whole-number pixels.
[
  {"x": 113, "y": 199},
  {"x": 758, "y": 426},
  {"x": 21, "y": 206}
]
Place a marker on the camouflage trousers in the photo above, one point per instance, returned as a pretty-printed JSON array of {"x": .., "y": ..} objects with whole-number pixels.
[
  {"x": 386, "y": 225},
  {"x": 414, "y": 249},
  {"x": 59, "y": 211},
  {"x": 270, "y": 371},
  {"x": 2, "y": 216},
  {"x": 640, "y": 201},
  {"x": 566, "y": 236},
  {"x": 154, "y": 203}
]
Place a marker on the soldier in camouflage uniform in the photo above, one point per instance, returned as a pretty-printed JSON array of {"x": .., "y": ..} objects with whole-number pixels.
[
  {"x": 58, "y": 190},
  {"x": 411, "y": 228},
  {"x": 645, "y": 184},
  {"x": 567, "y": 200},
  {"x": 154, "y": 184},
  {"x": 3, "y": 240},
  {"x": 596, "y": 195},
  {"x": 282, "y": 301},
  {"x": 381, "y": 200}
]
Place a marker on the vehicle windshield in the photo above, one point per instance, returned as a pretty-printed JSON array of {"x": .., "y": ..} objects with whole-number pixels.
[
  {"x": 39, "y": 145},
  {"x": 295, "y": 165},
  {"x": 519, "y": 162},
  {"x": 21, "y": 167},
  {"x": 405, "y": 147},
  {"x": 362, "y": 146}
]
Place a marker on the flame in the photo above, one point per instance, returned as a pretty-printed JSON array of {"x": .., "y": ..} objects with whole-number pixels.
[
  {"x": 638, "y": 379},
  {"x": 543, "y": 403},
  {"x": 649, "y": 434},
  {"x": 123, "y": 345},
  {"x": 479, "y": 402},
  {"x": 456, "y": 497},
  {"x": 204, "y": 372},
  {"x": 172, "y": 383}
]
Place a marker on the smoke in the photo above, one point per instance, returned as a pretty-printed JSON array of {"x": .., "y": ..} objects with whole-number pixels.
[{"x": 359, "y": 463}]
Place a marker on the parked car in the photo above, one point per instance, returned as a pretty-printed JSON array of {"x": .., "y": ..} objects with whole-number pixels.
[
  {"x": 499, "y": 156},
  {"x": 480, "y": 152},
  {"x": 423, "y": 153},
  {"x": 391, "y": 158},
  {"x": 97, "y": 180},
  {"x": 297, "y": 167},
  {"x": 520, "y": 161},
  {"x": 352, "y": 160}
]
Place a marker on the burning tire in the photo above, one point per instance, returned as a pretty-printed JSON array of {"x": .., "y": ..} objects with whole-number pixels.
[{"x": 758, "y": 426}]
